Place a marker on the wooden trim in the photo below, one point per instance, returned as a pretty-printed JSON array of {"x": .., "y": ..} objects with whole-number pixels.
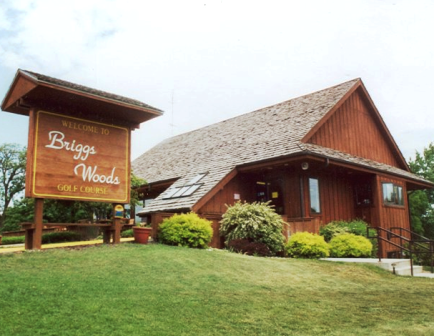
[
  {"x": 358, "y": 167},
  {"x": 87, "y": 94},
  {"x": 331, "y": 112},
  {"x": 6, "y": 104},
  {"x": 302, "y": 155},
  {"x": 30, "y": 152},
  {"x": 201, "y": 202},
  {"x": 96, "y": 97},
  {"x": 379, "y": 204}
]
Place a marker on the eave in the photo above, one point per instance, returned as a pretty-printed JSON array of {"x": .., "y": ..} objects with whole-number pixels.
[{"x": 27, "y": 91}]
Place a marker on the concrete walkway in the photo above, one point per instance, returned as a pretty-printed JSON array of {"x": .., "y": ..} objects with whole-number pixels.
[
  {"x": 20, "y": 247},
  {"x": 401, "y": 266}
]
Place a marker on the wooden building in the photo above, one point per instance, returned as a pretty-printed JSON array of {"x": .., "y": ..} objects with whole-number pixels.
[{"x": 321, "y": 157}]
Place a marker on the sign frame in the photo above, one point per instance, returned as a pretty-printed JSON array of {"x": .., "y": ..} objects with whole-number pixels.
[{"x": 34, "y": 159}]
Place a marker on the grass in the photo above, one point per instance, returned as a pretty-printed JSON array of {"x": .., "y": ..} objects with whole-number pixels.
[{"x": 133, "y": 289}]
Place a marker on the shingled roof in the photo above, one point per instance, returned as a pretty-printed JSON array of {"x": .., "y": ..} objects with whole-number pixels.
[
  {"x": 219, "y": 148},
  {"x": 85, "y": 89}
]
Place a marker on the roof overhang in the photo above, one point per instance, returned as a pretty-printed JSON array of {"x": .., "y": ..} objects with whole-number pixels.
[
  {"x": 30, "y": 91},
  {"x": 413, "y": 183}
]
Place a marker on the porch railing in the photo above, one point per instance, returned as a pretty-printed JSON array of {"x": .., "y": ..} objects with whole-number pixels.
[{"x": 416, "y": 246}]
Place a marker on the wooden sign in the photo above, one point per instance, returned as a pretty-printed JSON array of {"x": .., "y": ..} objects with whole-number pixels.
[{"x": 78, "y": 159}]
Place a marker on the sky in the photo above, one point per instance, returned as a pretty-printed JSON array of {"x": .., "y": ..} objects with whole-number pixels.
[{"x": 206, "y": 61}]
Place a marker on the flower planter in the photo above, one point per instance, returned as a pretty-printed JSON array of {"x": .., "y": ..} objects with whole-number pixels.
[{"x": 141, "y": 234}]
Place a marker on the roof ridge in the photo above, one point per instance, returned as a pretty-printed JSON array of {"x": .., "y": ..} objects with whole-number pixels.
[
  {"x": 85, "y": 89},
  {"x": 261, "y": 109}
]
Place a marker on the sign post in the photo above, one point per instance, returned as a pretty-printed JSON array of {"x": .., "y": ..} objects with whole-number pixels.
[{"x": 79, "y": 145}]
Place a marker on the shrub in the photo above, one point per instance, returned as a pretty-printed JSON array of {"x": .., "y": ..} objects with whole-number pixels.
[
  {"x": 349, "y": 245},
  {"x": 186, "y": 230},
  {"x": 62, "y": 236},
  {"x": 127, "y": 233},
  {"x": 13, "y": 240},
  {"x": 307, "y": 245},
  {"x": 332, "y": 229},
  {"x": 257, "y": 222},
  {"x": 248, "y": 247},
  {"x": 47, "y": 238}
]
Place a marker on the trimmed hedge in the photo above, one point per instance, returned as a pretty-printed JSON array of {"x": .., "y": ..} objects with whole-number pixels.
[
  {"x": 47, "y": 238},
  {"x": 349, "y": 245},
  {"x": 307, "y": 245},
  {"x": 186, "y": 230},
  {"x": 13, "y": 240}
]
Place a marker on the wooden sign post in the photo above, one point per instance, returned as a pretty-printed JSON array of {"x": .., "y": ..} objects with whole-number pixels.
[{"x": 79, "y": 144}]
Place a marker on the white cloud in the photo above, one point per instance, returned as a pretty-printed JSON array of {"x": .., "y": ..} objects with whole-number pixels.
[{"x": 223, "y": 58}]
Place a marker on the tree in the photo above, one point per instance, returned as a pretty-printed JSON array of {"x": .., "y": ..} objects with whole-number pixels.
[
  {"x": 421, "y": 201},
  {"x": 12, "y": 175}
]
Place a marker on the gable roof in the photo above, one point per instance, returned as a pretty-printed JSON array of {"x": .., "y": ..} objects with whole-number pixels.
[
  {"x": 30, "y": 89},
  {"x": 269, "y": 133}
]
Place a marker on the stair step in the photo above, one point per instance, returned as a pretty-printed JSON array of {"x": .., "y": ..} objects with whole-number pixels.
[
  {"x": 407, "y": 270},
  {"x": 425, "y": 275},
  {"x": 402, "y": 266}
]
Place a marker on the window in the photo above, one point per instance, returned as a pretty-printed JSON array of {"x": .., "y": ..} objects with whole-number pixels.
[
  {"x": 185, "y": 190},
  {"x": 392, "y": 194},
  {"x": 315, "y": 207}
]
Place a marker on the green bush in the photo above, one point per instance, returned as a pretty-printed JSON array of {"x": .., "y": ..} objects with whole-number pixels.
[
  {"x": 186, "y": 230},
  {"x": 349, "y": 245},
  {"x": 307, "y": 245},
  {"x": 256, "y": 221},
  {"x": 13, "y": 240},
  {"x": 332, "y": 229},
  {"x": 47, "y": 238},
  {"x": 59, "y": 237},
  {"x": 127, "y": 233}
]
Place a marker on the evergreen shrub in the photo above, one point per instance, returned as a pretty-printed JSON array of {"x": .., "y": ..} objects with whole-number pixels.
[
  {"x": 349, "y": 245},
  {"x": 186, "y": 230},
  {"x": 257, "y": 222},
  {"x": 307, "y": 245}
]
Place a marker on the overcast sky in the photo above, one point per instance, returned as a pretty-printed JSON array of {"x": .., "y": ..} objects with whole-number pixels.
[{"x": 206, "y": 61}]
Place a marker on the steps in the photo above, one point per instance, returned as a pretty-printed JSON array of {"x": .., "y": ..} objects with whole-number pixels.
[{"x": 402, "y": 266}]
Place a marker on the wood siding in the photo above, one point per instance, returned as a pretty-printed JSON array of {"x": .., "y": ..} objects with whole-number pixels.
[
  {"x": 336, "y": 197},
  {"x": 353, "y": 129}
]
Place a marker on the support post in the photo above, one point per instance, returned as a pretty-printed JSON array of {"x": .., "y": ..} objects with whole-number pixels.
[
  {"x": 116, "y": 226},
  {"x": 117, "y": 230},
  {"x": 36, "y": 237}
]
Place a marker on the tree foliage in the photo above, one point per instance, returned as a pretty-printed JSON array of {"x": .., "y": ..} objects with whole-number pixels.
[
  {"x": 421, "y": 201},
  {"x": 12, "y": 175}
]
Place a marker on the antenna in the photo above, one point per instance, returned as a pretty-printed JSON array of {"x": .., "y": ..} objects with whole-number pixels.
[{"x": 172, "y": 124}]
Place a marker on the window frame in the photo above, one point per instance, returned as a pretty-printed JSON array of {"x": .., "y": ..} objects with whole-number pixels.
[
  {"x": 310, "y": 196},
  {"x": 400, "y": 202}
]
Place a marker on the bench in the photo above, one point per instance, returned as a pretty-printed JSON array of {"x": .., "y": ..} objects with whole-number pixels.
[{"x": 111, "y": 230}]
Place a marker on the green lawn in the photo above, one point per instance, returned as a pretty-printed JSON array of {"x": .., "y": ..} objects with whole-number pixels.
[{"x": 159, "y": 290}]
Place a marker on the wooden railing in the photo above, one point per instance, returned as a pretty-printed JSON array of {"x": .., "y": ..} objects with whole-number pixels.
[{"x": 307, "y": 224}]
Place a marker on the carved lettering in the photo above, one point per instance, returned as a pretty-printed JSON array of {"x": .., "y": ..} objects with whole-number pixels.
[
  {"x": 57, "y": 141},
  {"x": 89, "y": 174}
]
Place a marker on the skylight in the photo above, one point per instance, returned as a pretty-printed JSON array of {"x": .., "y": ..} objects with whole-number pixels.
[{"x": 186, "y": 190}]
